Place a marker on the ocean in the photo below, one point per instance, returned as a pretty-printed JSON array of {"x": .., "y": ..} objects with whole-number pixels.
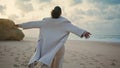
[{"x": 111, "y": 38}]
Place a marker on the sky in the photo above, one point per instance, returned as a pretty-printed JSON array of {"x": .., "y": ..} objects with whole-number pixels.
[{"x": 96, "y": 16}]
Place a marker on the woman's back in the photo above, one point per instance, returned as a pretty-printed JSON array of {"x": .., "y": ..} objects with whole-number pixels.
[{"x": 52, "y": 31}]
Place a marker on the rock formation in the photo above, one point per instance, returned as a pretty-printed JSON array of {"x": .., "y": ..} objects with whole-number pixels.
[{"x": 8, "y": 31}]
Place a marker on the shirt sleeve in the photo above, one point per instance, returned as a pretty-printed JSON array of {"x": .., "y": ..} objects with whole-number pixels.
[
  {"x": 74, "y": 29},
  {"x": 31, "y": 24}
]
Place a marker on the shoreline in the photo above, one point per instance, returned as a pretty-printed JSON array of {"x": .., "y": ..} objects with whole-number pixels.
[{"x": 92, "y": 40}]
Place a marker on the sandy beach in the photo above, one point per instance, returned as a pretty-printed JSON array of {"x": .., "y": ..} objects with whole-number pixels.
[{"x": 79, "y": 54}]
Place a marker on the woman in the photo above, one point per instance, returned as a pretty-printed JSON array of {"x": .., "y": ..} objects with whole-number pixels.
[{"x": 54, "y": 32}]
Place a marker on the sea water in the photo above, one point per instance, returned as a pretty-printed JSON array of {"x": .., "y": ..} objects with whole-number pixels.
[{"x": 97, "y": 37}]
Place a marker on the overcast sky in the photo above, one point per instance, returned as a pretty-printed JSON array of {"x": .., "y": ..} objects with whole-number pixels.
[{"x": 96, "y": 16}]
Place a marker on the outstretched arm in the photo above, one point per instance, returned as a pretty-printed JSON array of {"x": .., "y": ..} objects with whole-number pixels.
[
  {"x": 28, "y": 25},
  {"x": 78, "y": 31},
  {"x": 31, "y": 24}
]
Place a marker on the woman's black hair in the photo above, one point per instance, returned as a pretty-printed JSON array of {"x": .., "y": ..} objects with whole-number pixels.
[{"x": 56, "y": 12}]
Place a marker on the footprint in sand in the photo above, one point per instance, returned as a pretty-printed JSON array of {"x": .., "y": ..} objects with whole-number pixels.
[
  {"x": 91, "y": 63},
  {"x": 82, "y": 64},
  {"x": 16, "y": 59},
  {"x": 5, "y": 49},
  {"x": 16, "y": 65},
  {"x": 2, "y": 54},
  {"x": 11, "y": 54},
  {"x": 18, "y": 54},
  {"x": 99, "y": 55},
  {"x": 24, "y": 64},
  {"x": 102, "y": 65},
  {"x": 24, "y": 58},
  {"x": 113, "y": 62},
  {"x": 95, "y": 60},
  {"x": 85, "y": 57}
]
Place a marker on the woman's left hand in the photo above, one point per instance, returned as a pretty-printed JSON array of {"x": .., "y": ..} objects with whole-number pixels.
[{"x": 86, "y": 35}]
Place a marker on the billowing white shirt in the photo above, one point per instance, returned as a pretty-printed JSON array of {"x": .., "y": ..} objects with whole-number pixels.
[{"x": 53, "y": 35}]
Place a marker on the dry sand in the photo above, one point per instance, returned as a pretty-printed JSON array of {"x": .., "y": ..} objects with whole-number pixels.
[{"x": 79, "y": 54}]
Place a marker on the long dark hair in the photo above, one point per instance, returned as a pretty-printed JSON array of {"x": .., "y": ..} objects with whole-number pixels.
[{"x": 56, "y": 12}]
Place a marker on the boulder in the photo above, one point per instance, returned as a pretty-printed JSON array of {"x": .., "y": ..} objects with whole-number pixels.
[{"x": 9, "y": 32}]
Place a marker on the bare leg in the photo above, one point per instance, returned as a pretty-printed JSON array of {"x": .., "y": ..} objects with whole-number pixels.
[
  {"x": 57, "y": 61},
  {"x": 31, "y": 65},
  {"x": 44, "y": 66}
]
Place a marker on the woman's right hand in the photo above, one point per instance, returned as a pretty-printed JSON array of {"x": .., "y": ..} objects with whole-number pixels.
[{"x": 17, "y": 25}]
